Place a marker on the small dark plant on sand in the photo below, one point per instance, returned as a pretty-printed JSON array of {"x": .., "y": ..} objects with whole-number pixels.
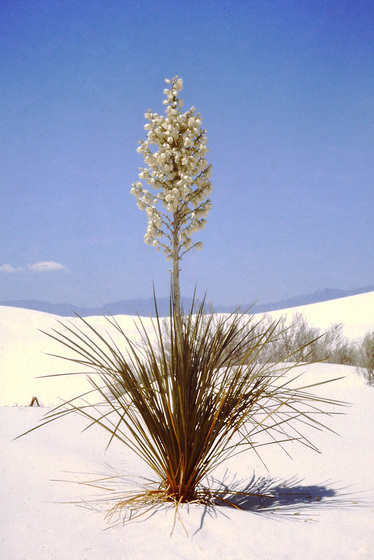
[{"x": 186, "y": 410}]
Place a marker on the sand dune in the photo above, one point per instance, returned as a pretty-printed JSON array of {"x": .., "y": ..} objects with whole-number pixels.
[
  {"x": 335, "y": 522},
  {"x": 355, "y": 313}
]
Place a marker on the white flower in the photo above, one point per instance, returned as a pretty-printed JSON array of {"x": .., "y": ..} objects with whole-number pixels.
[{"x": 177, "y": 170}]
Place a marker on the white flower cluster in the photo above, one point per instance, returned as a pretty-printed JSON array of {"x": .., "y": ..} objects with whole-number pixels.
[{"x": 178, "y": 174}]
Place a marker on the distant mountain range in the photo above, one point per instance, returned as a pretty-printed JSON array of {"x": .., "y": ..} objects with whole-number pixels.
[{"x": 145, "y": 307}]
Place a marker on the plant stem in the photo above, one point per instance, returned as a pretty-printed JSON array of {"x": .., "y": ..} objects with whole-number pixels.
[{"x": 176, "y": 270}]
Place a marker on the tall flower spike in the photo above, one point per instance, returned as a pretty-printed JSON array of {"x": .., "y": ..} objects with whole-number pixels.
[{"x": 174, "y": 153}]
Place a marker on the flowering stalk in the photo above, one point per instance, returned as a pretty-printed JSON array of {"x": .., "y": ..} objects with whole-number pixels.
[{"x": 179, "y": 176}]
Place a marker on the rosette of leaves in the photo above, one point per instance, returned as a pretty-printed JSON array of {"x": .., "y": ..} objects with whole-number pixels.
[{"x": 187, "y": 399}]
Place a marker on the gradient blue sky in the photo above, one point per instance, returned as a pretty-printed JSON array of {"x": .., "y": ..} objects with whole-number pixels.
[{"x": 286, "y": 92}]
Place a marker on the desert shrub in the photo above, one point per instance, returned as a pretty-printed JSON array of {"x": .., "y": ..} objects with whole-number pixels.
[
  {"x": 300, "y": 342},
  {"x": 187, "y": 409},
  {"x": 297, "y": 341},
  {"x": 339, "y": 349},
  {"x": 366, "y": 357}
]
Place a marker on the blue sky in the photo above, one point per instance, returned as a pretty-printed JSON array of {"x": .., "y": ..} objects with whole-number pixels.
[{"x": 286, "y": 93}]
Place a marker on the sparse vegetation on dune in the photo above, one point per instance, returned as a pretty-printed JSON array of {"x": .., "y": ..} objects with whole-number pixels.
[
  {"x": 365, "y": 360},
  {"x": 298, "y": 341}
]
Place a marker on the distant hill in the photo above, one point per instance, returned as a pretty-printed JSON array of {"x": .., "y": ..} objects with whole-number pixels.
[
  {"x": 142, "y": 307},
  {"x": 145, "y": 307}
]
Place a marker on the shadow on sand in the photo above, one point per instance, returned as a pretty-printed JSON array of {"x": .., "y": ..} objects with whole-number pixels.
[
  {"x": 280, "y": 499},
  {"x": 264, "y": 493},
  {"x": 265, "y": 496}
]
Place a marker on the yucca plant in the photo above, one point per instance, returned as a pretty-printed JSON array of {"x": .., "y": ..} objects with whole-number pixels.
[{"x": 187, "y": 400}]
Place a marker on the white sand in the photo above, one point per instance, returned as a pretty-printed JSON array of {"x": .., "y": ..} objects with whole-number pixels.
[
  {"x": 338, "y": 525},
  {"x": 355, "y": 313}
]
